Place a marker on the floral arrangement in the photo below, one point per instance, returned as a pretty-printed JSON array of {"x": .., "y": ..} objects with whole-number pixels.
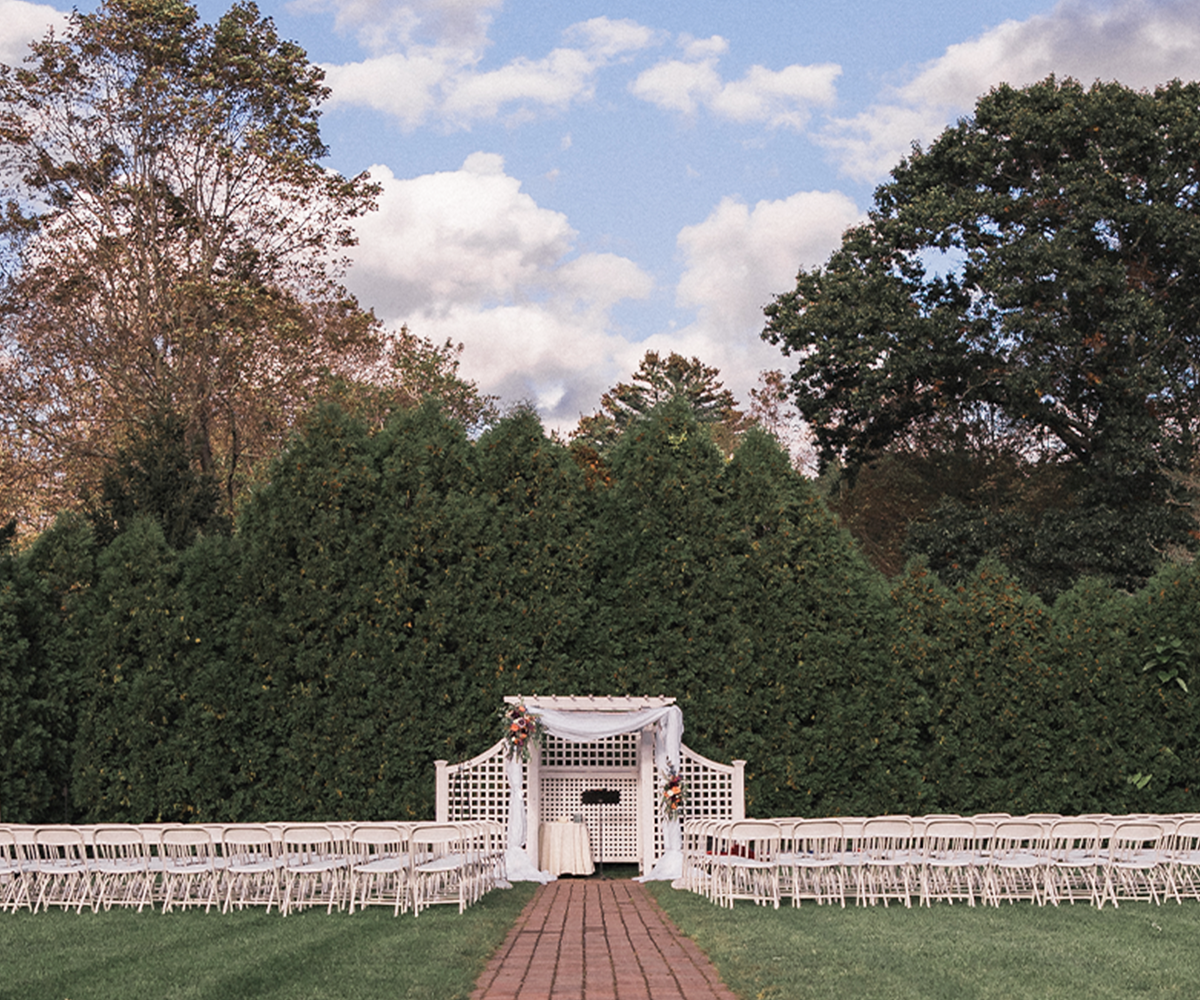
[
  {"x": 520, "y": 730},
  {"x": 674, "y": 794}
]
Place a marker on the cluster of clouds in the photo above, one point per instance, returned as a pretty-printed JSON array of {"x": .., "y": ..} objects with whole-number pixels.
[
  {"x": 1141, "y": 43},
  {"x": 20, "y": 23},
  {"x": 506, "y": 277},
  {"x": 465, "y": 254},
  {"x": 424, "y": 59}
]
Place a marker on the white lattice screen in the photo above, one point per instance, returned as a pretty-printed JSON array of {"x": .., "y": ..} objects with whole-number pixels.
[
  {"x": 570, "y": 769},
  {"x": 710, "y": 791},
  {"x": 478, "y": 788},
  {"x": 617, "y": 751}
]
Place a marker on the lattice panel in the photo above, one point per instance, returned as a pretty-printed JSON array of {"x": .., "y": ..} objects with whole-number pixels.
[
  {"x": 479, "y": 788},
  {"x": 616, "y": 751},
  {"x": 709, "y": 792},
  {"x": 561, "y": 797}
]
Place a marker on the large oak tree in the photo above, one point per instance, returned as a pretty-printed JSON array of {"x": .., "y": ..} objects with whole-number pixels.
[{"x": 1035, "y": 270}]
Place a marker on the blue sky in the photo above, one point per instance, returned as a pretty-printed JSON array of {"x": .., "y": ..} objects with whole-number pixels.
[{"x": 567, "y": 185}]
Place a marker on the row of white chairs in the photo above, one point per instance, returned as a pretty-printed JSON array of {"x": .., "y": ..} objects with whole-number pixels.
[
  {"x": 288, "y": 866},
  {"x": 990, "y": 858}
]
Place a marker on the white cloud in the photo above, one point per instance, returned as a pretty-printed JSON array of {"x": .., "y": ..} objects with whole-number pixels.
[
  {"x": 384, "y": 25},
  {"x": 22, "y": 23},
  {"x": 739, "y": 257},
  {"x": 466, "y": 255},
  {"x": 404, "y": 86},
  {"x": 554, "y": 82},
  {"x": 735, "y": 262},
  {"x": 703, "y": 48},
  {"x": 676, "y": 85},
  {"x": 774, "y": 97},
  {"x": 609, "y": 39},
  {"x": 1138, "y": 42},
  {"x": 424, "y": 81}
]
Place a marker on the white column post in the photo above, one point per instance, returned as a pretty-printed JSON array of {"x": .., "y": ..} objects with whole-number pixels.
[
  {"x": 647, "y": 811},
  {"x": 442, "y": 795},
  {"x": 533, "y": 803},
  {"x": 739, "y": 789}
]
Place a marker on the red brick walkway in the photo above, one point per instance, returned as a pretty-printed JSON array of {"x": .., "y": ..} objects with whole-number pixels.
[{"x": 598, "y": 940}]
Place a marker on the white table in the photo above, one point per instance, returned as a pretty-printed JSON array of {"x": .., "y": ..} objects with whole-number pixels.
[{"x": 565, "y": 847}]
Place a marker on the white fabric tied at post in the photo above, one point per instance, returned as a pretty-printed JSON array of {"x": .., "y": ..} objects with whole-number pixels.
[
  {"x": 590, "y": 727},
  {"x": 667, "y": 740},
  {"x": 516, "y": 861}
]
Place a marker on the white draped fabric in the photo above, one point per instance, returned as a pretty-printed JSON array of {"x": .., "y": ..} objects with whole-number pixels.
[{"x": 589, "y": 727}]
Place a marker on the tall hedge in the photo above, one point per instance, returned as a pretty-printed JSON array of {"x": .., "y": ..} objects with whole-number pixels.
[
  {"x": 386, "y": 589},
  {"x": 43, "y": 600}
]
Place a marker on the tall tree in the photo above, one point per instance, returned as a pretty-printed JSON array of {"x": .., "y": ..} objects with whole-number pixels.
[
  {"x": 1035, "y": 268},
  {"x": 656, "y": 381},
  {"x": 171, "y": 242}
]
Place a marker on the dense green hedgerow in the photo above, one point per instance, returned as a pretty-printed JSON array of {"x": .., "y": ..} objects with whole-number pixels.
[{"x": 384, "y": 590}]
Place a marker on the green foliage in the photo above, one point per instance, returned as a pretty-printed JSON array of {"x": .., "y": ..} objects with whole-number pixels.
[
  {"x": 729, "y": 586},
  {"x": 125, "y": 765},
  {"x": 44, "y": 596},
  {"x": 658, "y": 381},
  {"x": 155, "y": 476},
  {"x": 1003, "y": 714},
  {"x": 1170, "y": 661},
  {"x": 386, "y": 588},
  {"x": 1030, "y": 272}
]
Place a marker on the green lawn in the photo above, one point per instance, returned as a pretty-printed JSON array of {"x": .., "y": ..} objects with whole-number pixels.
[
  {"x": 947, "y": 952},
  {"x": 950, "y": 952},
  {"x": 123, "y": 955}
]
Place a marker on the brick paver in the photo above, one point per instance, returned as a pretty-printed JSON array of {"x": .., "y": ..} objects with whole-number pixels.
[{"x": 598, "y": 940}]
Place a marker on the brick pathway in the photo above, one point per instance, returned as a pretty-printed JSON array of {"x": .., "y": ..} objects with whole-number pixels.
[{"x": 598, "y": 940}]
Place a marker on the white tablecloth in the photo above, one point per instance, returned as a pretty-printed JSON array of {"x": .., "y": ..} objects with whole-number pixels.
[{"x": 565, "y": 847}]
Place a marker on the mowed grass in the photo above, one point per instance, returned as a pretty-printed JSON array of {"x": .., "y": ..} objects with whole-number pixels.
[
  {"x": 123, "y": 955},
  {"x": 951, "y": 952}
]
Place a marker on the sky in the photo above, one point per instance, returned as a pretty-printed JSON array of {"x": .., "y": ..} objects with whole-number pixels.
[{"x": 567, "y": 185}]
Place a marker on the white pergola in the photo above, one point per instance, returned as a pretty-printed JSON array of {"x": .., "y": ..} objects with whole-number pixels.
[{"x": 625, "y": 743}]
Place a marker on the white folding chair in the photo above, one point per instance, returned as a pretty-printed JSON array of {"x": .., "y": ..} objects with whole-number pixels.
[
  {"x": 121, "y": 866},
  {"x": 811, "y": 862},
  {"x": 60, "y": 868},
  {"x": 699, "y": 835},
  {"x": 189, "y": 868},
  {"x": 379, "y": 867},
  {"x": 1074, "y": 861},
  {"x": 1016, "y": 864},
  {"x": 252, "y": 864},
  {"x": 1137, "y": 866},
  {"x": 889, "y": 860},
  {"x": 1183, "y": 858},
  {"x": 441, "y": 871},
  {"x": 950, "y": 858},
  {"x": 747, "y": 867},
  {"x": 14, "y": 872},
  {"x": 313, "y": 868}
]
